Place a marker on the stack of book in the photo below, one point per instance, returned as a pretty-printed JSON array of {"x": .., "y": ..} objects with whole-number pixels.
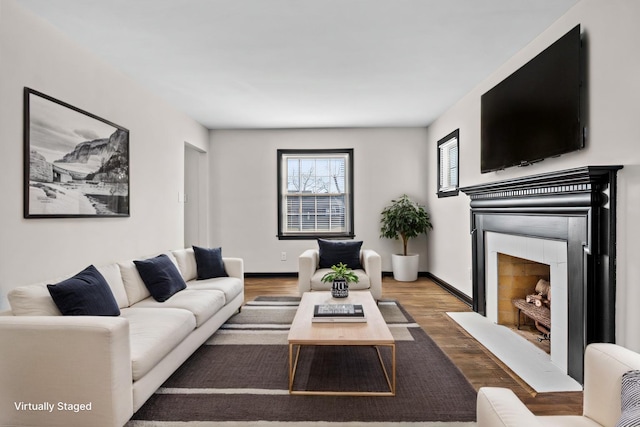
[{"x": 338, "y": 313}]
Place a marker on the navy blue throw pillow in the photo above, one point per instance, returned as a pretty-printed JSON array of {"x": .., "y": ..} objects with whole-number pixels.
[
  {"x": 85, "y": 294},
  {"x": 333, "y": 252},
  {"x": 161, "y": 276},
  {"x": 209, "y": 263}
]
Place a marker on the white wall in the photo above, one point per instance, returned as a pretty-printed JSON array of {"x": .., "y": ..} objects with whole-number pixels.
[
  {"x": 34, "y": 54},
  {"x": 613, "y": 61},
  {"x": 196, "y": 197},
  {"x": 387, "y": 163}
]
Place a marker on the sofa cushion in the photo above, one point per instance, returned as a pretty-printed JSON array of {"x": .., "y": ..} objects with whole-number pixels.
[
  {"x": 202, "y": 303},
  {"x": 154, "y": 333},
  {"x": 630, "y": 400},
  {"x": 133, "y": 284},
  {"x": 231, "y": 286},
  {"x": 186, "y": 263},
  {"x": 209, "y": 263},
  {"x": 111, "y": 273},
  {"x": 84, "y": 294},
  {"x": 161, "y": 276},
  {"x": 333, "y": 252},
  {"x": 318, "y": 285},
  {"x": 32, "y": 300}
]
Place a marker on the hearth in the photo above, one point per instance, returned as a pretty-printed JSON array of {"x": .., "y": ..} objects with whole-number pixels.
[{"x": 570, "y": 214}]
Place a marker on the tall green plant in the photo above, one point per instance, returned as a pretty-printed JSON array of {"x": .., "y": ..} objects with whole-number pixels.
[{"x": 404, "y": 219}]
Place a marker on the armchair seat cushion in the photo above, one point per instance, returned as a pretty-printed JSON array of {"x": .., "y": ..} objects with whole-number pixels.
[{"x": 318, "y": 285}]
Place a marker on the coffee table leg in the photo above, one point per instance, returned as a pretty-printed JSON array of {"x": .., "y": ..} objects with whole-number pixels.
[
  {"x": 393, "y": 367},
  {"x": 391, "y": 382},
  {"x": 293, "y": 364},
  {"x": 290, "y": 367}
]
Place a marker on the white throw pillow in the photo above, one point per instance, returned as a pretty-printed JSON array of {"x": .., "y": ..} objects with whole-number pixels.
[{"x": 33, "y": 300}]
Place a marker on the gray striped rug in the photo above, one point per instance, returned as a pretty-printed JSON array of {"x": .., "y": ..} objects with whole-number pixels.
[{"x": 240, "y": 378}]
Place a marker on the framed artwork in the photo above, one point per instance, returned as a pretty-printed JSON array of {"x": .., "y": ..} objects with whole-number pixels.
[
  {"x": 76, "y": 164},
  {"x": 448, "y": 165}
]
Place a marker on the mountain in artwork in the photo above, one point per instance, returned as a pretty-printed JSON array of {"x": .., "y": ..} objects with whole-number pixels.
[{"x": 104, "y": 159}]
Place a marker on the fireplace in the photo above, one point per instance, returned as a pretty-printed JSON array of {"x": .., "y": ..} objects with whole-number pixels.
[
  {"x": 538, "y": 252},
  {"x": 524, "y": 298},
  {"x": 565, "y": 219}
]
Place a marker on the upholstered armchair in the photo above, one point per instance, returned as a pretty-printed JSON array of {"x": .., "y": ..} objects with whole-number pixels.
[
  {"x": 606, "y": 368},
  {"x": 315, "y": 263}
]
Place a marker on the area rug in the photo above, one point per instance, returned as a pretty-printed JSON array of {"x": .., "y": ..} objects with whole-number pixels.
[{"x": 240, "y": 377}]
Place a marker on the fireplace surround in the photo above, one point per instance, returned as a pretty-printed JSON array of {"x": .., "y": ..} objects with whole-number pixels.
[{"x": 575, "y": 206}]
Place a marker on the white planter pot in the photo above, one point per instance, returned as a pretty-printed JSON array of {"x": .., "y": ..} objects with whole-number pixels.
[{"x": 405, "y": 268}]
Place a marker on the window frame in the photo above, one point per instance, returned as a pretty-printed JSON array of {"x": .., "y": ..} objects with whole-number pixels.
[
  {"x": 452, "y": 139},
  {"x": 282, "y": 154}
]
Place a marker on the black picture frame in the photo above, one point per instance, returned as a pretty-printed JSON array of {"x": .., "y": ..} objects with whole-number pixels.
[
  {"x": 450, "y": 144},
  {"x": 76, "y": 164}
]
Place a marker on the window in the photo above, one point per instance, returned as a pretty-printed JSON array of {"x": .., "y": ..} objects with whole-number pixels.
[
  {"x": 315, "y": 193},
  {"x": 448, "y": 162}
]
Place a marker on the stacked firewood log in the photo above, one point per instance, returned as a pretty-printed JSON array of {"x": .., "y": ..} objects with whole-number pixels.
[{"x": 542, "y": 295}]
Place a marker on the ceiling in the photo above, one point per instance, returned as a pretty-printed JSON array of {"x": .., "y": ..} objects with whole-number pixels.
[{"x": 304, "y": 63}]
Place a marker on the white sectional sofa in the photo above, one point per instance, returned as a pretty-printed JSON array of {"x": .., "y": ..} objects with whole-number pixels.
[{"x": 98, "y": 370}]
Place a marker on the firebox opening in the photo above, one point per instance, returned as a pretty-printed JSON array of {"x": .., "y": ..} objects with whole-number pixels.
[{"x": 524, "y": 299}]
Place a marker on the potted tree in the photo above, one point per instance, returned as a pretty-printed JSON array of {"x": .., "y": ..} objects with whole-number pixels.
[
  {"x": 340, "y": 276},
  {"x": 404, "y": 219}
]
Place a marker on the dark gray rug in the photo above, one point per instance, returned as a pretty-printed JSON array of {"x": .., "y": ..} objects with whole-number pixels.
[{"x": 241, "y": 374}]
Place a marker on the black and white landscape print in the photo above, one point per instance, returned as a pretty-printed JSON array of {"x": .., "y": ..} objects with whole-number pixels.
[{"x": 77, "y": 164}]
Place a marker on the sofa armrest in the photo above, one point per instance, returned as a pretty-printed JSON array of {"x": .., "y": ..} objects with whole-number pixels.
[
  {"x": 65, "y": 360},
  {"x": 307, "y": 266},
  {"x": 604, "y": 365},
  {"x": 372, "y": 264},
  {"x": 234, "y": 267},
  {"x": 500, "y": 407}
]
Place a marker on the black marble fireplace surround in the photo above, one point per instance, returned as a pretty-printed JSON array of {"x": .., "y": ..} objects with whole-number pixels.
[{"x": 577, "y": 206}]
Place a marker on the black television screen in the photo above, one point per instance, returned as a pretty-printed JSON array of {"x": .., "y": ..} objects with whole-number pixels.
[{"x": 535, "y": 112}]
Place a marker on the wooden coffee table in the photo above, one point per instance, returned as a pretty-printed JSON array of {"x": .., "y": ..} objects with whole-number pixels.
[{"x": 374, "y": 332}]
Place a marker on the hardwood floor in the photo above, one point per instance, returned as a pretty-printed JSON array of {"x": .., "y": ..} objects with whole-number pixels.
[{"x": 428, "y": 303}]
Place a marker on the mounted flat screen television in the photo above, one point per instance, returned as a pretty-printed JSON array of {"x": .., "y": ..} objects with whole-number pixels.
[{"x": 535, "y": 112}]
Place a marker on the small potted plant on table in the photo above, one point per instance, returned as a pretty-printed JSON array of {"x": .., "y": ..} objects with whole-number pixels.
[{"x": 340, "y": 276}]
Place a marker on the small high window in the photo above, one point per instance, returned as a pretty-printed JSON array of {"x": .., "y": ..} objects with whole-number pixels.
[{"x": 448, "y": 162}]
